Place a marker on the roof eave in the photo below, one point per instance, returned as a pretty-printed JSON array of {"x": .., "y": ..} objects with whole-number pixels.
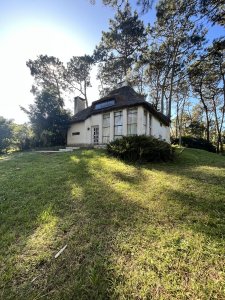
[{"x": 162, "y": 118}]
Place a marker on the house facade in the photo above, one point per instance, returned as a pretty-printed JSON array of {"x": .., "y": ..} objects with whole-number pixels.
[{"x": 122, "y": 112}]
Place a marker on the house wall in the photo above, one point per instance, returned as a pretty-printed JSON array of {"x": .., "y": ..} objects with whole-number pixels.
[
  {"x": 159, "y": 130},
  {"x": 85, "y": 137},
  {"x": 85, "y": 129},
  {"x": 76, "y": 139}
]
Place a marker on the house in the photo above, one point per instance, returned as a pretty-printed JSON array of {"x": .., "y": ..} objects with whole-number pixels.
[{"x": 121, "y": 112}]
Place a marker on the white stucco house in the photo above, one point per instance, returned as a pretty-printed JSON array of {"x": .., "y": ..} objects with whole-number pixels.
[{"x": 121, "y": 112}]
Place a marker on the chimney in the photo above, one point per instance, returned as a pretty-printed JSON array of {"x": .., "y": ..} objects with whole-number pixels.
[{"x": 79, "y": 104}]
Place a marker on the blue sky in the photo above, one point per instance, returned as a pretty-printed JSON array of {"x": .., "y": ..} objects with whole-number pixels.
[{"x": 62, "y": 28}]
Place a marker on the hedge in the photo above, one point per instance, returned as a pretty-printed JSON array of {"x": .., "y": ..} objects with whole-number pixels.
[
  {"x": 198, "y": 143},
  {"x": 140, "y": 148}
]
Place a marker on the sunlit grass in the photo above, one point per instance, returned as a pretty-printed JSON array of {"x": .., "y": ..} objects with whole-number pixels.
[{"x": 132, "y": 232}]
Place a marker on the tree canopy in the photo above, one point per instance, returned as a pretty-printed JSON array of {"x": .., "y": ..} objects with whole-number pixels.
[
  {"x": 48, "y": 119},
  {"x": 120, "y": 47}
]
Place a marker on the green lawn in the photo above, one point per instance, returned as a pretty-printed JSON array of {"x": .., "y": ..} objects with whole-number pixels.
[{"x": 149, "y": 232}]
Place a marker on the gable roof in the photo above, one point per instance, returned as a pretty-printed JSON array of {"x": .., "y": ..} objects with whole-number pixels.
[{"x": 124, "y": 97}]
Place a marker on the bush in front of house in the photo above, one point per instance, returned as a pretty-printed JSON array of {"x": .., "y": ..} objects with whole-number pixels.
[
  {"x": 193, "y": 142},
  {"x": 140, "y": 148}
]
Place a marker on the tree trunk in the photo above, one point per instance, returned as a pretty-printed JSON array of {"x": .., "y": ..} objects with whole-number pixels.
[
  {"x": 85, "y": 93},
  {"x": 176, "y": 48},
  {"x": 223, "y": 110},
  {"x": 207, "y": 124},
  {"x": 181, "y": 122},
  {"x": 206, "y": 113},
  {"x": 177, "y": 120}
]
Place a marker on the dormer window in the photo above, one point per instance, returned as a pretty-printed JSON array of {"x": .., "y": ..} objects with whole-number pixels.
[{"x": 104, "y": 104}]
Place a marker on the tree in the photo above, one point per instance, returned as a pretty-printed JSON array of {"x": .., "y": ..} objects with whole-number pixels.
[
  {"x": 22, "y": 138},
  {"x": 5, "y": 134},
  {"x": 196, "y": 129},
  {"x": 216, "y": 85},
  {"x": 213, "y": 9},
  {"x": 48, "y": 119},
  {"x": 207, "y": 78},
  {"x": 145, "y": 4},
  {"x": 198, "y": 79},
  {"x": 120, "y": 47},
  {"x": 178, "y": 41},
  {"x": 48, "y": 73},
  {"x": 157, "y": 67},
  {"x": 181, "y": 94},
  {"x": 77, "y": 74}
]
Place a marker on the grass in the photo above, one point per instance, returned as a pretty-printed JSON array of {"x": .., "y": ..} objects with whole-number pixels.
[{"x": 149, "y": 232}]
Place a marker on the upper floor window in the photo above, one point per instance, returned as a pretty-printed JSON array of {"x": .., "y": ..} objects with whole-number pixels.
[
  {"x": 106, "y": 128},
  {"x": 118, "y": 124},
  {"x": 132, "y": 121},
  {"x": 104, "y": 104}
]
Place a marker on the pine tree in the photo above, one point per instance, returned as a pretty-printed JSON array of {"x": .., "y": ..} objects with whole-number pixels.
[
  {"x": 120, "y": 47},
  {"x": 176, "y": 41},
  {"x": 77, "y": 74}
]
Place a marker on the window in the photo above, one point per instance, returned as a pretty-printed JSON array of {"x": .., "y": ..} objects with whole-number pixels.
[
  {"x": 105, "y": 104},
  {"x": 132, "y": 121},
  {"x": 95, "y": 134},
  {"x": 75, "y": 133},
  {"x": 150, "y": 124},
  {"x": 145, "y": 122},
  {"x": 118, "y": 124},
  {"x": 106, "y": 128}
]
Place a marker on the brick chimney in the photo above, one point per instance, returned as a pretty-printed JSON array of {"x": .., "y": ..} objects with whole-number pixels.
[{"x": 79, "y": 104}]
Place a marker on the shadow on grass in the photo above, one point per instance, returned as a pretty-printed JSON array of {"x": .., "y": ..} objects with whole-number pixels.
[
  {"x": 85, "y": 212},
  {"x": 86, "y": 201},
  {"x": 200, "y": 193}
]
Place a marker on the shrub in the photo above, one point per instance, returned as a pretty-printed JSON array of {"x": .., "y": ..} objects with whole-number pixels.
[
  {"x": 198, "y": 143},
  {"x": 140, "y": 148},
  {"x": 5, "y": 134}
]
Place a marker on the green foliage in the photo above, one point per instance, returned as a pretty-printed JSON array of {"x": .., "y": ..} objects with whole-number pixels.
[
  {"x": 23, "y": 138},
  {"x": 207, "y": 78},
  {"x": 179, "y": 41},
  {"x": 120, "y": 47},
  {"x": 140, "y": 148},
  {"x": 214, "y": 10},
  {"x": 48, "y": 119},
  {"x": 77, "y": 74},
  {"x": 193, "y": 142},
  {"x": 196, "y": 129},
  {"x": 5, "y": 134},
  {"x": 15, "y": 136},
  {"x": 144, "y": 4},
  {"x": 48, "y": 73}
]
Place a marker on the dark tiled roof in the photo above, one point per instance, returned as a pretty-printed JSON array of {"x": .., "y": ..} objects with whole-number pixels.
[{"x": 124, "y": 97}]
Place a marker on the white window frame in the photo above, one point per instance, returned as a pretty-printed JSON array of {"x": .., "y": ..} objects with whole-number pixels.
[
  {"x": 131, "y": 111},
  {"x": 116, "y": 114},
  {"x": 105, "y": 138}
]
